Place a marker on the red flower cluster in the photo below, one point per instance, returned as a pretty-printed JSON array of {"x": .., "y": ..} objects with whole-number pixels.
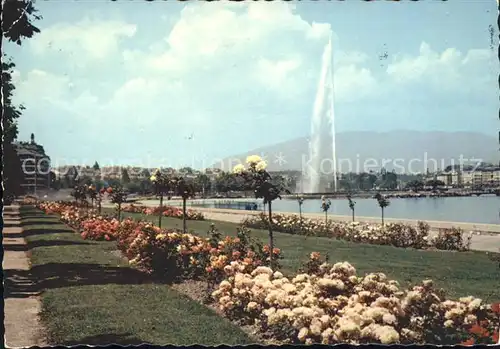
[{"x": 483, "y": 332}]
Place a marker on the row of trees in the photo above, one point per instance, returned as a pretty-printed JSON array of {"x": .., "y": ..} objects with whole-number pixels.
[
  {"x": 368, "y": 181},
  {"x": 223, "y": 183},
  {"x": 17, "y": 18},
  {"x": 326, "y": 203}
]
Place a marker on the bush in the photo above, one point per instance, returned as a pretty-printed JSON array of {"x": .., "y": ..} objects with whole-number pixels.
[
  {"x": 393, "y": 234},
  {"x": 332, "y": 304},
  {"x": 167, "y": 211},
  {"x": 452, "y": 239}
]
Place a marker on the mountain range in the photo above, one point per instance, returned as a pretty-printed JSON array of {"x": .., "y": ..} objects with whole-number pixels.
[{"x": 403, "y": 151}]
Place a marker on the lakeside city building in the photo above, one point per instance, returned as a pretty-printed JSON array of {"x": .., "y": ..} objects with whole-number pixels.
[
  {"x": 485, "y": 176},
  {"x": 35, "y": 165}
]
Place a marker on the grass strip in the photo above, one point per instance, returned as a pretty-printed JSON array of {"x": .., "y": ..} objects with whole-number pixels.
[{"x": 90, "y": 295}]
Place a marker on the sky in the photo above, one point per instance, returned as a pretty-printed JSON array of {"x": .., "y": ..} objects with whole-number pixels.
[{"x": 183, "y": 83}]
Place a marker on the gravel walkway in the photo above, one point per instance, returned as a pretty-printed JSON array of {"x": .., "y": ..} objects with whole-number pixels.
[{"x": 22, "y": 326}]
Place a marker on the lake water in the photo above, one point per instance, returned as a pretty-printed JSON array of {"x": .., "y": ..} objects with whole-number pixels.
[{"x": 472, "y": 209}]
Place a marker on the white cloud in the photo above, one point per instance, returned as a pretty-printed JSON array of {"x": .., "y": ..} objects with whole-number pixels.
[
  {"x": 353, "y": 83},
  {"x": 447, "y": 70},
  {"x": 223, "y": 64},
  {"x": 87, "y": 39},
  {"x": 40, "y": 85}
]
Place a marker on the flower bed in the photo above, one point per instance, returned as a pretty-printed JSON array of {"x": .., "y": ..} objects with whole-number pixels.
[
  {"x": 394, "y": 234},
  {"x": 167, "y": 211},
  {"x": 324, "y": 304},
  {"x": 166, "y": 252},
  {"x": 331, "y": 304}
]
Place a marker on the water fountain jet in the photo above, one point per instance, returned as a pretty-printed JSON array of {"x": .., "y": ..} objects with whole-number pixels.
[{"x": 323, "y": 128}]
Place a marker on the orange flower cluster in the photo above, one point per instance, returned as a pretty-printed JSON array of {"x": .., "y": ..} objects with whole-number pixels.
[{"x": 167, "y": 211}]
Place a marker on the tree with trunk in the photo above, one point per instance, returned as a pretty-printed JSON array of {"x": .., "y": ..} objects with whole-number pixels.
[
  {"x": 352, "y": 204},
  {"x": 125, "y": 176},
  {"x": 79, "y": 193},
  {"x": 300, "y": 201},
  {"x": 325, "y": 206},
  {"x": 162, "y": 186},
  {"x": 383, "y": 202},
  {"x": 92, "y": 193},
  {"x": 118, "y": 197},
  {"x": 256, "y": 176},
  {"x": 202, "y": 183},
  {"x": 17, "y": 18},
  {"x": 186, "y": 190}
]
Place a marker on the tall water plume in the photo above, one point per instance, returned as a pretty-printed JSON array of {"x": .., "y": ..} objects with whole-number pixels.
[{"x": 323, "y": 157}]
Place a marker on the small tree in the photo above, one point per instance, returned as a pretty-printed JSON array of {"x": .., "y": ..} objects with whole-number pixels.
[
  {"x": 118, "y": 197},
  {"x": 257, "y": 178},
  {"x": 162, "y": 184},
  {"x": 125, "y": 176},
  {"x": 300, "y": 201},
  {"x": 325, "y": 206},
  {"x": 92, "y": 192},
  {"x": 185, "y": 190},
  {"x": 100, "y": 194},
  {"x": 383, "y": 203},
  {"x": 352, "y": 204},
  {"x": 79, "y": 193}
]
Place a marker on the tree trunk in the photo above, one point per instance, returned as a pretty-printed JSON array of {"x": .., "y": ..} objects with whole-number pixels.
[
  {"x": 353, "y": 215},
  {"x": 161, "y": 211},
  {"x": 382, "y": 216},
  {"x": 271, "y": 239},
  {"x": 326, "y": 219},
  {"x": 119, "y": 212},
  {"x": 100, "y": 207},
  {"x": 300, "y": 218},
  {"x": 184, "y": 215}
]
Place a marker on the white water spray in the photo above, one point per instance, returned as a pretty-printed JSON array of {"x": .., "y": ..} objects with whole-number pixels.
[{"x": 323, "y": 158}]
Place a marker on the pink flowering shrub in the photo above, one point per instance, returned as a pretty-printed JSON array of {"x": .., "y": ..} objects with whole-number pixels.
[{"x": 167, "y": 211}]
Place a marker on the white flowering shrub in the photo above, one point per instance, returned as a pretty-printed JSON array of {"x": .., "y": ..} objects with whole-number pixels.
[
  {"x": 394, "y": 234},
  {"x": 335, "y": 305}
]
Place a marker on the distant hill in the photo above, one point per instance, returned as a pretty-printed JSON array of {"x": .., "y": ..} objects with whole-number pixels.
[{"x": 401, "y": 149}]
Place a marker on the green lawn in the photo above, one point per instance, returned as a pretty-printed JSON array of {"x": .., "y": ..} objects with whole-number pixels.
[
  {"x": 460, "y": 273},
  {"x": 91, "y": 296}
]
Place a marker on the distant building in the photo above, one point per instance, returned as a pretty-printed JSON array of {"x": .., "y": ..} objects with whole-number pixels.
[{"x": 35, "y": 165}]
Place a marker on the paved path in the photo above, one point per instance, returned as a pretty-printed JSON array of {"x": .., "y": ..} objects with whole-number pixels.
[
  {"x": 22, "y": 327},
  {"x": 480, "y": 227}
]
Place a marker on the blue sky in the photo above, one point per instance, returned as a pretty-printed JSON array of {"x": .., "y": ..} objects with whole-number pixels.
[{"x": 130, "y": 82}]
